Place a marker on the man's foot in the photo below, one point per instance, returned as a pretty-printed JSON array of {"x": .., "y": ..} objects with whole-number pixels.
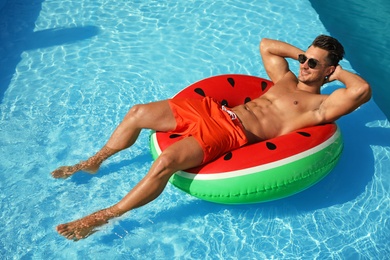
[
  {"x": 91, "y": 165},
  {"x": 76, "y": 230},
  {"x": 85, "y": 227},
  {"x": 67, "y": 171}
]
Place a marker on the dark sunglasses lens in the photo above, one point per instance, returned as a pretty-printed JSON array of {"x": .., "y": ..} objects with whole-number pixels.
[
  {"x": 302, "y": 58},
  {"x": 312, "y": 63}
]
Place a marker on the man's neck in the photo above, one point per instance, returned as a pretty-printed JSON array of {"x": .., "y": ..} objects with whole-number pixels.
[{"x": 314, "y": 87}]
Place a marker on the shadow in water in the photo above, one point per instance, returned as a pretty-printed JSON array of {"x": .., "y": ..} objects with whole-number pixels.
[{"x": 17, "y": 24}]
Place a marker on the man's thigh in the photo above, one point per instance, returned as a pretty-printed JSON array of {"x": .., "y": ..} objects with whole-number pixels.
[
  {"x": 186, "y": 153},
  {"x": 157, "y": 116}
]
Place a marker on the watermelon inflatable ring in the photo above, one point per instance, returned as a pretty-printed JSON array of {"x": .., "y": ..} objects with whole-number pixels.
[{"x": 260, "y": 172}]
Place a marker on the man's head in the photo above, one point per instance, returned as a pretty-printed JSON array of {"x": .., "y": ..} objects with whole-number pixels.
[
  {"x": 333, "y": 46},
  {"x": 320, "y": 60}
]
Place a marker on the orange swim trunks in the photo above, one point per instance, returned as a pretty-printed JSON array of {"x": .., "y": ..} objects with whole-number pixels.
[{"x": 216, "y": 128}]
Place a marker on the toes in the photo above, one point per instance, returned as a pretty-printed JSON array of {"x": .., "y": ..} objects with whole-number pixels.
[
  {"x": 61, "y": 227},
  {"x": 62, "y": 172},
  {"x": 58, "y": 172},
  {"x": 65, "y": 232},
  {"x": 72, "y": 237}
]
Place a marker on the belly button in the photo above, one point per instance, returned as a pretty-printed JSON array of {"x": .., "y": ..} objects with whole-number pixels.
[{"x": 295, "y": 102}]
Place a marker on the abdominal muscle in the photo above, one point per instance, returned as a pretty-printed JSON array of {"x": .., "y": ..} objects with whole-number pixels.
[
  {"x": 259, "y": 123},
  {"x": 266, "y": 117}
]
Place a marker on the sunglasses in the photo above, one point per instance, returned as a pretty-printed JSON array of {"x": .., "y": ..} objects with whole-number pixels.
[{"x": 312, "y": 63}]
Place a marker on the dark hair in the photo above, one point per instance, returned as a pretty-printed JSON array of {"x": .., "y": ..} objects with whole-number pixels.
[{"x": 333, "y": 46}]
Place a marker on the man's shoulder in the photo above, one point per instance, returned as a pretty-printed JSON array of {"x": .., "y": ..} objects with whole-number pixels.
[
  {"x": 287, "y": 80},
  {"x": 288, "y": 77}
]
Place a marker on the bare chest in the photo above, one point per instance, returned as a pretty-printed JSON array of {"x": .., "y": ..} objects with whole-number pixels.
[{"x": 288, "y": 101}]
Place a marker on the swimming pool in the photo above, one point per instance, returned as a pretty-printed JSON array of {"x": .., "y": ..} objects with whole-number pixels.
[{"x": 69, "y": 72}]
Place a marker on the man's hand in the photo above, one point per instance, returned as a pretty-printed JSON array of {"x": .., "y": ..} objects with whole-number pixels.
[{"x": 334, "y": 75}]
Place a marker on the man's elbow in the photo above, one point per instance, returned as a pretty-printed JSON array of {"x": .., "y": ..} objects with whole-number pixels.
[
  {"x": 364, "y": 92},
  {"x": 264, "y": 44}
]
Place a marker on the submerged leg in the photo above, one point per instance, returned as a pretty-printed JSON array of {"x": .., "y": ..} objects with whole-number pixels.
[
  {"x": 184, "y": 154},
  {"x": 157, "y": 116}
]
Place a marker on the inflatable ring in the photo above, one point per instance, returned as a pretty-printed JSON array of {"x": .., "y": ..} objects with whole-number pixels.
[{"x": 260, "y": 172}]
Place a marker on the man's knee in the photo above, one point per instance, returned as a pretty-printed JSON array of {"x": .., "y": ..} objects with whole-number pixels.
[
  {"x": 166, "y": 164},
  {"x": 136, "y": 112}
]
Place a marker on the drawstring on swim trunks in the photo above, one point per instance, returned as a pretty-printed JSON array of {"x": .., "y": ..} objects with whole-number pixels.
[{"x": 232, "y": 115}]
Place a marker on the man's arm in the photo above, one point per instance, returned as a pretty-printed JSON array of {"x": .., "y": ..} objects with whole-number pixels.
[
  {"x": 344, "y": 100},
  {"x": 274, "y": 54}
]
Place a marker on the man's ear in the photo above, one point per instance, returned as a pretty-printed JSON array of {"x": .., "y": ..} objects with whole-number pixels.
[{"x": 330, "y": 69}]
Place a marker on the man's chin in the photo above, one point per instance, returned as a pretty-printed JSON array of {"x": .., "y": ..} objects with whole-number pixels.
[
  {"x": 302, "y": 79},
  {"x": 305, "y": 80}
]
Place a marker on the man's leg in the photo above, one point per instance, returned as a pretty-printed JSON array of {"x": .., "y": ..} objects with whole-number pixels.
[
  {"x": 156, "y": 115},
  {"x": 183, "y": 154}
]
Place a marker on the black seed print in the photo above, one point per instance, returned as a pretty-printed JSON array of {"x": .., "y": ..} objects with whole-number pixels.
[
  {"x": 263, "y": 85},
  {"x": 172, "y": 136},
  {"x": 247, "y": 99},
  {"x": 224, "y": 103},
  {"x": 304, "y": 134},
  {"x": 200, "y": 92},
  {"x": 231, "y": 81},
  {"x": 228, "y": 156},
  {"x": 270, "y": 146}
]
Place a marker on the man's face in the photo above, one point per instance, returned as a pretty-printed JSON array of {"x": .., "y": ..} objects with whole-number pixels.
[{"x": 309, "y": 74}]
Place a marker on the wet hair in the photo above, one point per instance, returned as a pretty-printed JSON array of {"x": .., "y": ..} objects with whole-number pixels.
[{"x": 333, "y": 46}]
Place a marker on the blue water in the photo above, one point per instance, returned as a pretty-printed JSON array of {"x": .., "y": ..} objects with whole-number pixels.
[
  {"x": 70, "y": 70},
  {"x": 365, "y": 33}
]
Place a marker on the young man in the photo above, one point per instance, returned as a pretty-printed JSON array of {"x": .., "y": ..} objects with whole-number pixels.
[{"x": 292, "y": 103}]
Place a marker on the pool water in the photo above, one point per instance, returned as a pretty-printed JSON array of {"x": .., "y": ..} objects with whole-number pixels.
[{"x": 70, "y": 70}]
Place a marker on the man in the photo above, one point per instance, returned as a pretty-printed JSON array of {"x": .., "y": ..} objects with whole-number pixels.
[{"x": 292, "y": 103}]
